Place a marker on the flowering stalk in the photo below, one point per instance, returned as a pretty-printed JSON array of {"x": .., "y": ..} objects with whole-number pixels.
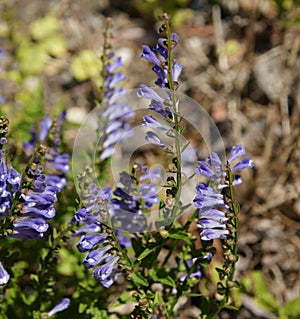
[
  {"x": 168, "y": 71},
  {"x": 218, "y": 216}
]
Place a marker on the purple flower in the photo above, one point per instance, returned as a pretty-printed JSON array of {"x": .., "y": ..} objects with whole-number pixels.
[
  {"x": 209, "y": 234},
  {"x": 90, "y": 241},
  {"x": 54, "y": 159},
  {"x": 159, "y": 56},
  {"x": 61, "y": 306},
  {"x": 114, "y": 126},
  {"x": 150, "y": 121},
  {"x": 132, "y": 198},
  {"x": 176, "y": 70},
  {"x": 30, "y": 228},
  {"x": 10, "y": 181},
  {"x": 94, "y": 257},
  {"x": 59, "y": 162},
  {"x": 154, "y": 138},
  {"x": 108, "y": 272},
  {"x": 148, "y": 93},
  {"x": 4, "y": 275},
  {"x": 150, "y": 55},
  {"x": 214, "y": 169},
  {"x": 37, "y": 206},
  {"x": 154, "y": 174},
  {"x": 209, "y": 200},
  {"x": 123, "y": 240},
  {"x": 95, "y": 241}
]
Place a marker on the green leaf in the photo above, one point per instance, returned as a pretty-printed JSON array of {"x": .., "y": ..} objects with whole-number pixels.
[
  {"x": 192, "y": 294},
  {"x": 82, "y": 307},
  {"x": 290, "y": 310},
  {"x": 45, "y": 27},
  {"x": 262, "y": 294},
  {"x": 179, "y": 234},
  {"x": 167, "y": 281},
  {"x": 54, "y": 45},
  {"x": 145, "y": 253},
  {"x": 139, "y": 280},
  {"x": 230, "y": 307},
  {"x": 85, "y": 65},
  {"x": 158, "y": 300}
]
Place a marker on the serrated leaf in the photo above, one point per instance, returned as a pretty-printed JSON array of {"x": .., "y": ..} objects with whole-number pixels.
[
  {"x": 139, "y": 280},
  {"x": 145, "y": 253}
]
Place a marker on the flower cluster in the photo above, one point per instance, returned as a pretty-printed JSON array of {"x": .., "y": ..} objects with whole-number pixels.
[
  {"x": 10, "y": 179},
  {"x": 38, "y": 192},
  {"x": 95, "y": 241},
  {"x": 57, "y": 163},
  {"x": 122, "y": 208},
  {"x": 160, "y": 56},
  {"x": 133, "y": 197},
  {"x": 36, "y": 202},
  {"x": 114, "y": 116},
  {"x": 210, "y": 200}
]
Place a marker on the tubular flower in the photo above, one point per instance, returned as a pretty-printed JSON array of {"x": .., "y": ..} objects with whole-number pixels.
[
  {"x": 95, "y": 241},
  {"x": 161, "y": 101},
  {"x": 10, "y": 179},
  {"x": 61, "y": 306},
  {"x": 159, "y": 56},
  {"x": 4, "y": 276},
  {"x": 114, "y": 126},
  {"x": 215, "y": 170},
  {"x": 38, "y": 193},
  {"x": 57, "y": 164},
  {"x": 131, "y": 198},
  {"x": 36, "y": 203},
  {"x": 210, "y": 200}
]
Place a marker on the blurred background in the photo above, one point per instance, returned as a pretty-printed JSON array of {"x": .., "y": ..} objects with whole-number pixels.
[{"x": 241, "y": 62}]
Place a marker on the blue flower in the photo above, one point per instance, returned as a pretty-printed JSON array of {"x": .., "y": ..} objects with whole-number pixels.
[
  {"x": 95, "y": 240},
  {"x": 214, "y": 169},
  {"x": 10, "y": 179},
  {"x": 209, "y": 200},
  {"x": 4, "y": 275},
  {"x": 61, "y": 306},
  {"x": 130, "y": 199},
  {"x": 151, "y": 122},
  {"x": 108, "y": 272},
  {"x": 55, "y": 162},
  {"x": 36, "y": 207},
  {"x": 154, "y": 138},
  {"x": 94, "y": 257},
  {"x": 159, "y": 56},
  {"x": 29, "y": 228},
  {"x": 114, "y": 115},
  {"x": 90, "y": 241}
]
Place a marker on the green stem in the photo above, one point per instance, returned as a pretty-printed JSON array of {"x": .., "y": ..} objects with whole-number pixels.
[
  {"x": 235, "y": 222},
  {"x": 176, "y": 119}
]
